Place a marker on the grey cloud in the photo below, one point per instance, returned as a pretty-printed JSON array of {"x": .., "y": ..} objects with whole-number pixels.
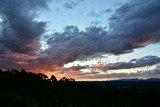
[
  {"x": 80, "y": 73},
  {"x": 137, "y": 22},
  {"x": 132, "y": 26},
  {"x": 71, "y": 44},
  {"x": 93, "y": 14},
  {"x": 19, "y": 31},
  {"x": 155, "y": 73},
  {"x": 134, "y": 63},
  {"x": 93, "y": 68},
  {"x": 95, "y": 23},
  {"x": 75, "y": 68},
  {"x": 105, "y": 11},
  {"x": 70, "y": 4},
  {"x": 98, "y": 14}
]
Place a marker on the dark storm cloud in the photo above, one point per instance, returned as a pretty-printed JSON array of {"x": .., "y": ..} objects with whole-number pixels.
[
  {"x": 19, "y": 32},
  {"x": 134, "y": 63},
  {"x": 70, "y": 4}
]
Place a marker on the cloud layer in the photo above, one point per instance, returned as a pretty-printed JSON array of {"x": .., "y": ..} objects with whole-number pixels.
[
  {"x": 134, "y": 25},
  {"x": 135, "y": 63}
]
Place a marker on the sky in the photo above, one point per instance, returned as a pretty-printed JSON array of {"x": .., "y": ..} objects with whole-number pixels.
[{"x": 89, "y": 40}]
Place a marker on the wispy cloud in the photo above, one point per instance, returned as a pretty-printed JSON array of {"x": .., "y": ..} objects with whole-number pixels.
[
  {"x": 70, "y": 4},
  {"x": 98, "y": 14}
]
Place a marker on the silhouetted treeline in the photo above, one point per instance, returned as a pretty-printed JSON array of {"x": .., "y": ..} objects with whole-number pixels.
[
  {"x": 26, "y": 89},
  {"x": 32, "y": 75}
]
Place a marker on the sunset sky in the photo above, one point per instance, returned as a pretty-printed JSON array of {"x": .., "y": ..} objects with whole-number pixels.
[{"x": 81, "y": 39}]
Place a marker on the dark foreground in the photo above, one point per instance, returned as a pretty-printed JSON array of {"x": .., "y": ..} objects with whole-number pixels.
[{"x": 21, "y": 89}]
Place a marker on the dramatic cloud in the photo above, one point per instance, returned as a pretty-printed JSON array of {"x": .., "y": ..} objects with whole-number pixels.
[
  {"x": 19, "y": 31},
  {"x": 71, "y": 44},
  {"x": 133, "y": 25},
  {"x": 70, "y": 4},
  {"x": 136, "y": 24}
]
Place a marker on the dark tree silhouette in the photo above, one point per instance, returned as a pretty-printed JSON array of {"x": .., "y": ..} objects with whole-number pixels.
[
  {"x": 72, "y": 80},
  {"x": 27, "y": 89},
  {"x": 8, "y": 70},
  {"x": 14, "y": 71},
  {"x": 66, "y": 79},
  {"x": 23, "y": 70},
  {"x": 53, "y": 78},
  {"x": 43, "y": 76}
]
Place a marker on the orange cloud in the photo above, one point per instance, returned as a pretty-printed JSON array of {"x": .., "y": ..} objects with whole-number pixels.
[
  {"x": 144, "y": 42},
  {"x": 101, "y": 67},
  {"x": 23, "y": 56},
  {"x": 21, "y": 62}
]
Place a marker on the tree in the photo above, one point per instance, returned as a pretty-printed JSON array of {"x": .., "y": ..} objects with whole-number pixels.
[
  {"x": 53, "y": 78},
  {"x": 43, "y": 76},
  {"x": 66, "y": 79},
  {"x": 15, "y": 71},
  {"x": 23, "y": 70},
  {"x": 72, "y": 80}
]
